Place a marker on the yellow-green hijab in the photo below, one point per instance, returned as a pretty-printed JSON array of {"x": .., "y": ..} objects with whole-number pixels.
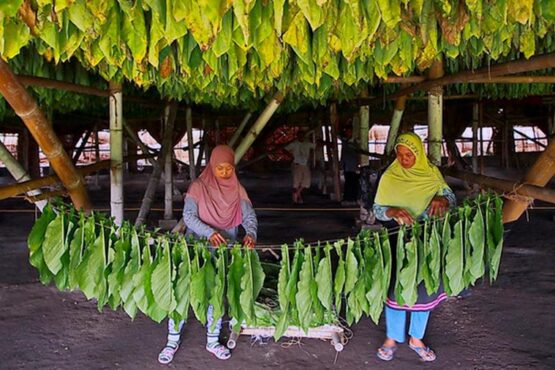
[{"x": 412, "y": 188}]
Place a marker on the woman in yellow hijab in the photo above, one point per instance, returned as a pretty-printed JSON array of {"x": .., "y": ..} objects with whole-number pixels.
[{"x": 410, "y": 188}]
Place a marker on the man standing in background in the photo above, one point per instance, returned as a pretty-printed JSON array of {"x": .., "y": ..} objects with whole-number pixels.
[{"x": 300, "y": 149}]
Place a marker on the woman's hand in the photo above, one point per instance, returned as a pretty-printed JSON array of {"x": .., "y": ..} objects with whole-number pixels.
[
  {"x": 217, "y": 239},
  {"x": 249, "y": 242},
  {"x": 438, "y": 206},
  {"x": 401, "y": 215}
]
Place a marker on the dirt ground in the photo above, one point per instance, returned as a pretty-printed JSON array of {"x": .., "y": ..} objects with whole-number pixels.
[{"x": 509, "y": 325}]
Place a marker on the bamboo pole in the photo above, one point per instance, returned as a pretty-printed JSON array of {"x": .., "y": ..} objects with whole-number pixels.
[
  {"x": 334, "y": 119},
  {"x": 517, "y": 66},
  {"x": 539, "y": 174},
  {"x": 435, "y": 114},
  {"x": 475, "y": 119},
  {"x": 96, "y": 154},
  {"x": 481, "y": 125},
  {"x": 24, "y": 187},
  {"x": 258, "y": 126},
  {"x": 395, "y": 123},
  {"x": 190, "y": 145},
  {"x": 62, "y": 85},
  {"x": 482, "y": 80},
  {"x": 79, "y": 150},
  {"x": 534, "y": 140},
  {"x": 202, "y": 148},
  {"x": 170, "y": 113},
  {"x": 168, "y": 185},
  {"x": 116, "y": 153},
  {"x": 28, "y": 110},
  {"x": 518, "y": 188},
  {"x": 18, "y": 172},
  {"x": 364, "y": 128},
  {"x": 239, "y": 130}
]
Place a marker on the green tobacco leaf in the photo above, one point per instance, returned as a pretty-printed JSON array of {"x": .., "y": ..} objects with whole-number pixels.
[
  {"x": 290, "y": 313},
  {"x": 454, "y": 264},
  {"x": 235, "y": 273},
  {"x": 127, "y": 284},
  {"x": 54, "y": 246},
  {"x": 339, "y": 279},
  {"x": 408, "y": 273},
  {"x": 387, "y": 261},
  {"x": 139, "y": 281},
  {"x": 182, "y": 281},
  {"x": 200, "y": 284},
  {"x": 324, "y": 280},
  {"x": 400, "y": 258},
  {"x": 217, "y": 298},
  {"x": 434, "y": 259},
  {"x": 161, "y": 280},
  {"x": 117, "y": 268},
  {"x": 251, "y": 283},
  {"x": 35, "y": 241},
  {"x": 351, "y": 268},
  {"x": 90, "y": 274},
  {"x": 494, "y": 239},
  {"x": 76, "y": 253},
  {"x": 477, "y": 240},
  {"x": 303, "y": 297}
]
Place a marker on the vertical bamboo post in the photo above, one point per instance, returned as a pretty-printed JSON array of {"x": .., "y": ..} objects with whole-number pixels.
[
  {"x": 551, "y": 124},
  {"x": 364, "y": 126},
  {"x": 34, "y": 158},
  {"x": 18, "y": 172},
  {"x": 539, "y": 174},
  {"x": 481, "y": 124},
  {"x": 335, "y": 152},
  {"x": 435, "y": 114},
  {"x": 116, "y": 152},
  {"x": 190, "y": 143},
  {"x": 203, "y": 145},
  {"x": 28, "y": 110},
  {"x": 239, "y": 130},
  {"x": 395, "y": 122},
  {"x": 258, "y": 126},
  {"x": 171, "y": 111},
  {"x": 96, "y": 154},
  {"x": 475, "y": 119},
  {"x": 168, "y": 184}
]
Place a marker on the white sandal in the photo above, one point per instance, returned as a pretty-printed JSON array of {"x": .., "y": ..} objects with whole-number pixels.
[
  {"x": 167, "y": 353},
  {"x": 220, "y": 351}
]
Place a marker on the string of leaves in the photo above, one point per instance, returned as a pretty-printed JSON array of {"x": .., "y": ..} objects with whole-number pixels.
[{"x": 120, "y": 267}]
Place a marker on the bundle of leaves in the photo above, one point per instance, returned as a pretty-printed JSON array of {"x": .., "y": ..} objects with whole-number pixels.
[{"x": 164, "y": 275}]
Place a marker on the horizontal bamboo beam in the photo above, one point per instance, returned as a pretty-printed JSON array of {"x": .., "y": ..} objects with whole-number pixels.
[
  {"x": 483, "y": 80},
  {"x": 61, "y": 85},
  {"x": 13, "y": 190},
  {"x": 525, "y": 190},
  {"x": 23, "y": 187},
  {"x": 518, "y": 66}
]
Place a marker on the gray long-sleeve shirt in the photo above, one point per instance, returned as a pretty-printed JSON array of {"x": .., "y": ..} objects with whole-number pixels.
[{"x": 199, "y": 228}]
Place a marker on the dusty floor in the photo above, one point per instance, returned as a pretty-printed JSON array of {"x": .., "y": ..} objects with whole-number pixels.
[{"x": 509, "y": 325}]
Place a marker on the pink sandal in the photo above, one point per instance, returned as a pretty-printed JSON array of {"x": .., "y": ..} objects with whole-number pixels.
[
  {"x": 219, "y": 350},
  {"x": 167, "y": 353}
]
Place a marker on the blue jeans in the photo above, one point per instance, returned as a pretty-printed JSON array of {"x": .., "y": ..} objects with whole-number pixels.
[{"x": 395, "y": 323}]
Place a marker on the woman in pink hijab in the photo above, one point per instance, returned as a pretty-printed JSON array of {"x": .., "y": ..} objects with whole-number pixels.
[{"x": 215, "y": 205}]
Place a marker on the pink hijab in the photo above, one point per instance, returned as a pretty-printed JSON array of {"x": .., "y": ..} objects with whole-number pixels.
[{"x": 219, "y": 200}]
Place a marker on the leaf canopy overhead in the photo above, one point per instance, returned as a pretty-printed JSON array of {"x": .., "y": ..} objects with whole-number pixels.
[{"x": 236, "y": 52}]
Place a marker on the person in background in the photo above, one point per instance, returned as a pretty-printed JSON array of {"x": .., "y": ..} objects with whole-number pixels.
[
  {"x": 215, "y": 205},
  {"x": 300, "y": 149},
  {"x": 410, "y": 189},
  {"x": 349, "y": 165}
]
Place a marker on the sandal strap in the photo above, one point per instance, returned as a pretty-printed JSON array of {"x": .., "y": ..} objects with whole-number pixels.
[{"x": 220, "y": 351}]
